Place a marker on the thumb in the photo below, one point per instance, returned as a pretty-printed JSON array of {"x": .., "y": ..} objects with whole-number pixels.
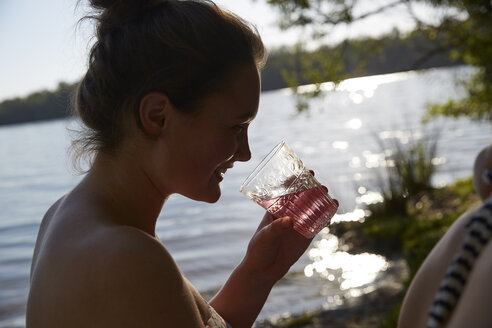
[{"x": 282, "y": 224}]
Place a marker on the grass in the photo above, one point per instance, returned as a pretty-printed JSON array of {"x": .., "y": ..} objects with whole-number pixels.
[
  {"x": 407, "y": 169},
  {"x": 413, "y": 215},
  {"x": 430, "y": 214}
]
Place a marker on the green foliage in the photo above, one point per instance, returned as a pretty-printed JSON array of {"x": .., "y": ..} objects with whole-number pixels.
[
  {"x": 408, "y": 170},
  {"x": 294, "y": 66},
  {"x": 301, "y": 321},
  {"x": 430, "y": 214},
  {"x": 388, "y": 54},
  {"x": 297, "y": 66},
  {"x": 315, "y": 67},
  {"x": 392, "y": 318},
  {"x": 470, "y": 40},
  {"x": 463, "y": 33},
  {"x": 413, "y": 235},
  {"x": 405, "y": 184},
  {"x": 477, "y": 105},
  {"x": 413, "y": 215}
]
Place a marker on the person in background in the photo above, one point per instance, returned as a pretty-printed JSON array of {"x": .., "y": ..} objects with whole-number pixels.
[
  {"x": 170, "y": 90},
  {"x": 453, "y": 286}
]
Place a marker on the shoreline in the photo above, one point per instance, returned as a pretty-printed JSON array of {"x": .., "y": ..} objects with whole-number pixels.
[{"x": 369, "y": 310}]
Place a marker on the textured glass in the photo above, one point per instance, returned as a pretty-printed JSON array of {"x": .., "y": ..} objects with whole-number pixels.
[{"x": 285, "y": 187}]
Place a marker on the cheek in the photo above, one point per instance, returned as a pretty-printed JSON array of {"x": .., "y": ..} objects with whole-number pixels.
[
  {"x": 204, "y": 162},
  {"x": 223, "y": 149},
  {"x": 229, "y": 150},
  {"x": 206, "y": 157}
]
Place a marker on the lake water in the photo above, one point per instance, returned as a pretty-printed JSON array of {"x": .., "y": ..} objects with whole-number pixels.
[{"x": 337, "y": 139}]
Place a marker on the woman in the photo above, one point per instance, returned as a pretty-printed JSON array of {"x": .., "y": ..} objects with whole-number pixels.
[{"x": 169, "y": 93}]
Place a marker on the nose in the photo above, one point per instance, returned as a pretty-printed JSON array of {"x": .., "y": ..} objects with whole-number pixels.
[{"x": 243, "y": 153}]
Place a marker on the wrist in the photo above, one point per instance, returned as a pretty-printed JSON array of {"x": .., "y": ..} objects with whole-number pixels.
[
  {"x": 252, "y": 277},
  {"x": 253, "y": 290}
]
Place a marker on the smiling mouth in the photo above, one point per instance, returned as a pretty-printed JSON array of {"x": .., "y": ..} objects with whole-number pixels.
[{"x": 220, "y": 172}]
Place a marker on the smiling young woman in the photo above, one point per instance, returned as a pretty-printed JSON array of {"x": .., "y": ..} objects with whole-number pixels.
[{"x": 166, "y": 102}]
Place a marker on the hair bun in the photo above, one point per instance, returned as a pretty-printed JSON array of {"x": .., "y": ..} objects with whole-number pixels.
[
  {"x": 102, "y": 4},
  {"x": 130, "y": 4},
  {"x": 115, "y": 13}
]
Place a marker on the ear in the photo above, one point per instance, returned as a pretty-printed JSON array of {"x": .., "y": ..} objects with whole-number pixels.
[{"x": 154, "y": 111}]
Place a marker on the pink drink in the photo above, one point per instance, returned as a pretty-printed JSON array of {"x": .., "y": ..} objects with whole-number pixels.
[{"x": 311, "y": 209}]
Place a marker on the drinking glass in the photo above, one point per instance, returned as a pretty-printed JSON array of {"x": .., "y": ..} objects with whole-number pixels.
[{"x": 285, "y": 187}]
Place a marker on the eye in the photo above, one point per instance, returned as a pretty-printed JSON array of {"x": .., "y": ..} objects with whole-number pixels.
[{"x": 240, "y": 127}]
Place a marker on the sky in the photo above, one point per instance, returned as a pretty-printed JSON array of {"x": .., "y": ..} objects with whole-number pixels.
[{"x": 40, "y": 44}]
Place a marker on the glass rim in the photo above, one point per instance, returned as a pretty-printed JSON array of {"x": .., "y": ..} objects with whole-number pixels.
[{"x": 262, "y": 164}]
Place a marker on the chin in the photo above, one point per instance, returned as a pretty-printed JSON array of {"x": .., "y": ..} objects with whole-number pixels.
[
  {"x": 212, "y": 200},
  {"x": 207, "y": 196},
  {"x": 213, "y": 197}
]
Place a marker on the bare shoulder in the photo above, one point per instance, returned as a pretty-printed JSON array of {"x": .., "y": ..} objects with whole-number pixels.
[
  {"x": 112, "y": 276},
  {"x": 473, "y": 308},
  {"x": 142, "y": 283},
  {"x": 129, "y": 244}
]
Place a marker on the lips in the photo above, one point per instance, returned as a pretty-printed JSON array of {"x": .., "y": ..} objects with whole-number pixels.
[{"x": 221, "y": 171}]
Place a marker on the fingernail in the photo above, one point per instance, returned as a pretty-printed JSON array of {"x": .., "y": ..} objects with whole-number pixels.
[{"x": 286, "y": 222}]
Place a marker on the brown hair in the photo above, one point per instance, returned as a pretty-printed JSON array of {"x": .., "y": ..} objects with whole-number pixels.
[{"x": 185, "y": 49}]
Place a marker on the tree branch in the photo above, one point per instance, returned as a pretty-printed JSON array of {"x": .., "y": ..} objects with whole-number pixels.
[{"x": 327, "y": 19}]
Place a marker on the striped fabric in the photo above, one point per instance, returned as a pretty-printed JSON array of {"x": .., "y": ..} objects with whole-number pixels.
[{"x": 479, "y": 232}]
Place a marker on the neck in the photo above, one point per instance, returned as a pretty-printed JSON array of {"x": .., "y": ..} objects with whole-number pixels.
[{"x": 124, "y": 192}]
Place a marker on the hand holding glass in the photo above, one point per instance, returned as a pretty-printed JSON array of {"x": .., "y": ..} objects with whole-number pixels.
[{"x": 285, "y": 187}]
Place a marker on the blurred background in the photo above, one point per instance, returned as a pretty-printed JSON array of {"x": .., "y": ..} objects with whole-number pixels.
[{"x": 388, "y": 101}]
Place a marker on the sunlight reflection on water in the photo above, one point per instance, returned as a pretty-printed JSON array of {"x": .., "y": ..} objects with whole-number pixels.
[
  {"x": 355, "y": 215},
  {"x": 354, "y": 124},
  {"x": 352, "y": 270},
  {"x": 363, "y": 86},
  {"x": 369, "y": 197}
]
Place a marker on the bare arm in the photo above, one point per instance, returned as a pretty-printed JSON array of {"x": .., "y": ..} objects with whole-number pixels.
[{"x": 271, "y": 252}]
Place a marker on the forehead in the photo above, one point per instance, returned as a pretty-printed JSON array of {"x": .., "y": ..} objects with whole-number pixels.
[{"x": 239, "y": 98}]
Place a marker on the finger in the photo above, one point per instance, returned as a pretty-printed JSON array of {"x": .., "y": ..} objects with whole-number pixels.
[
  {"x": 274, "y": 230},
  {"x": 312, "y": 172},
  {"x": 336, "y": 201},
  {"x": 325, "y": 188},
  {"x": 267, "y": 219},
  {"x": 278, "y": 226}
]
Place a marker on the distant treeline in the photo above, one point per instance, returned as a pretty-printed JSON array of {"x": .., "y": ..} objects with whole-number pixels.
[
  {"x": 391, "y": 53},
  {"x": 38, "y": 106}
]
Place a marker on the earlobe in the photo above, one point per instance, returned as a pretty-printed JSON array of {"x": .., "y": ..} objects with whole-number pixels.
[{"x": 153, "y": 111}]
